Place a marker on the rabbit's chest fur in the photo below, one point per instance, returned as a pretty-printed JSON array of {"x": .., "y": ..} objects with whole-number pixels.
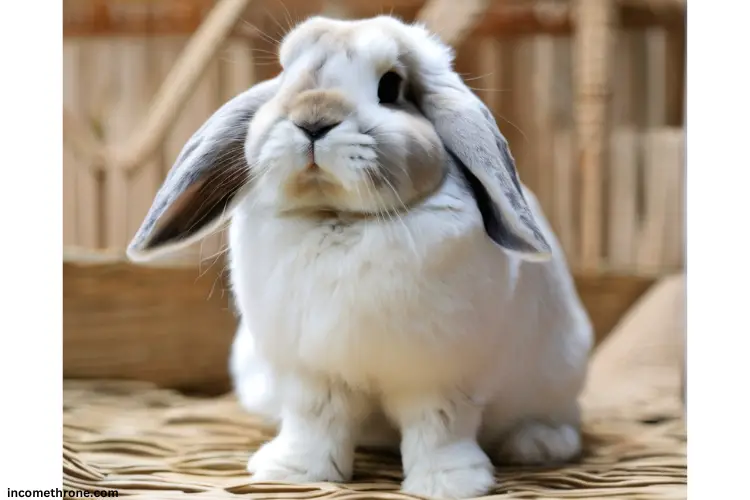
[{"x": 418, "y": 298}]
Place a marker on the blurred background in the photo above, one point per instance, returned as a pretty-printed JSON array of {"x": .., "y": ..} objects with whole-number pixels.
[{"x": 590, "y": 95}]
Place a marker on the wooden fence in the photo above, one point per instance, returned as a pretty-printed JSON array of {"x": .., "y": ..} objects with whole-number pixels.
[{"x": 110, "y": 81}]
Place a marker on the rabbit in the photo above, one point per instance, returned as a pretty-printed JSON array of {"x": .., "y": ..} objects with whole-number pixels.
[{"x": 397, "y": 285}]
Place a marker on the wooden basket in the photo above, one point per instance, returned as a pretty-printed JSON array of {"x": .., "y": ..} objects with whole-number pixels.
[{"x": 172, "y": 324}]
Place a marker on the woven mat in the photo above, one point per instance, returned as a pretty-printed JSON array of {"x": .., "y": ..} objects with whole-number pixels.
[{"x": 147, "y": 442}]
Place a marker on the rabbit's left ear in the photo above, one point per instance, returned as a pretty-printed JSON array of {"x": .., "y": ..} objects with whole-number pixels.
[
  {"x": 470, "y": 134},
  {"x": 203, "y": 185}
]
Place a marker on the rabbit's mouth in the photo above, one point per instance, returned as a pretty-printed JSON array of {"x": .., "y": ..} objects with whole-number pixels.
[
  {"x": 372, "y": 191},
  {"x": 319, "y": 195},
  {"x": 314, "y": 181}
]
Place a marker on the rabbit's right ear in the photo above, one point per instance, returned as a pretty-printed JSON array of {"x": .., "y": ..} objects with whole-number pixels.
[
  {"x": 199, "y": 191},
  {"x": 471, "y": 136}
]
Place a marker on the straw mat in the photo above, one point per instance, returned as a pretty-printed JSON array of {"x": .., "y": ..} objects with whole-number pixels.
[{"x": 148, "y": 442}]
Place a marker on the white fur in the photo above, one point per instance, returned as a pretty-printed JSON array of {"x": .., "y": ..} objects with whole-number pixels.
[
  {"x": 414, "y": 329},
  {"x": 424, "y": 316}
]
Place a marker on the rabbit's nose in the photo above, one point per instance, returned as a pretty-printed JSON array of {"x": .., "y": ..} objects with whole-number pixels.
[{"x": 316, "y": 130}]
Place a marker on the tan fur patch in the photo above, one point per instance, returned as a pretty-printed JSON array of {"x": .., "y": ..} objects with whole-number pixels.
[
  {"x": 313, "y": 185},
  {"x": 320, "y": 106}
]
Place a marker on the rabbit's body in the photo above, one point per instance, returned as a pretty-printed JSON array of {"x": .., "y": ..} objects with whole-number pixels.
[
  {"x": 420, "y": 301},
  {"x": 390, "y": 270}
]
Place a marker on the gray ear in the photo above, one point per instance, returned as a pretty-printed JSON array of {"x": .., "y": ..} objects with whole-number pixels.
[
  {"x": 198, "y": 194},
  {"x": 472, "y": 138}
]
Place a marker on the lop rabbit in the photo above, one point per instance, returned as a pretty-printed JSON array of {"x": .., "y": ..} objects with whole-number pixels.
[{"x": 397, "y": 284}]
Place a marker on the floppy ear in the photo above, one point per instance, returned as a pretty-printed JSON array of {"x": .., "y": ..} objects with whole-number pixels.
[
  {"x": 471, "y": 136},
  {"x": 198, "y": 194}
]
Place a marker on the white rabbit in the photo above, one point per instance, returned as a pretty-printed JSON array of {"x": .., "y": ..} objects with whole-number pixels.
[{"x": 396, "y": 283}]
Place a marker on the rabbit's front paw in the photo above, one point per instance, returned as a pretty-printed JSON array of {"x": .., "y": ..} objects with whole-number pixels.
[
  {"x": 281, "y": 461},
  {"x": 464, "y": 471}
]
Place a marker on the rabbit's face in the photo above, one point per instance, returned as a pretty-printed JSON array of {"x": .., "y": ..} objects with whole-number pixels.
[
  {"x": 343, "y": 131},
  {"x": 366, "y": 117}
]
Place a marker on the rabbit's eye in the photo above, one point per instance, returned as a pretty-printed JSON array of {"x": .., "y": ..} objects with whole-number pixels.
[{"x": 389, "y": 88}]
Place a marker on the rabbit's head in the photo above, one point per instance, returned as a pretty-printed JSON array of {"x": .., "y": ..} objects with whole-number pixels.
[
  {"x": 342, "y": 132},
  {"x": 365, "y": 118}
]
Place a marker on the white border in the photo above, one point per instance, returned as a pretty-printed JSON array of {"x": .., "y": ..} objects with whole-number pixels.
[
  {"x": 31, "y": 208},
  {"x": 718, "y": 262},
  {"x": 718, "y": 180}
]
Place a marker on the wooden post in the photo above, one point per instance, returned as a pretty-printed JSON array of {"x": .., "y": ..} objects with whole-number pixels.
[
  {"x": 675, "y": 74},
  {"x": 592, "y": 44}
]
